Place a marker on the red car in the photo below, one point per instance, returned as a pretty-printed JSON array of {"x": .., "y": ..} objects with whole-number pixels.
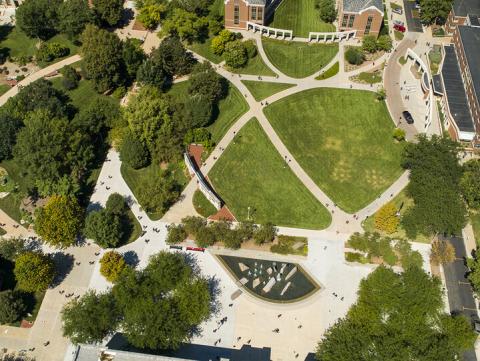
[
  {"x": 198, "y": 249},
  {"x": 400, "y": 28}
]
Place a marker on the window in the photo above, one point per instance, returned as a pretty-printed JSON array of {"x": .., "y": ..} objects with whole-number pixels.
[
  {"x": 344, "y": 21},
  {"x": 254, "y": 13},
  {"x": 351, "y": 20},
  {"x": 260, "y": 14},
  {"x": 369, "y": 25},
  {"x": 236, "y": 15}
]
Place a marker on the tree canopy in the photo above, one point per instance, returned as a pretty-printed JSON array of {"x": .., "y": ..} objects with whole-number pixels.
[
  {"x": 434, "y": 11},
  {"x": 12, "y": 306},
  {"x": 470, "y": 183},
  {"x": 73, "y": 16},
  {"x": 38, "y": 18},
  {"x": 109, "y": 12},
  {"x": 34, "y": 271},
  {"x": 112, "y": 265}
]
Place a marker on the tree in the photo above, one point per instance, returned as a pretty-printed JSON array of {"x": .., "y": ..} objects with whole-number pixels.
[
  {"x": 112, "y": 265},
  {"x": 186, "y": 25},
  {"x": 9, "y": 126},
  {"x": 38, "y": 18},
  {"x": 50, "y": 51},
  {"x": 384, "y": 42},
  {"x": 90, "y": 318},
  {"x": 176, "y": 60},
  {"x": 104, "y": 227},
  {"x": 434, "y": 10},
  {"x": 391, "y": 311},
  {"x": 265, "y": 233},
  {"x": 328, "y": 13},
  {"x": 398, "y": 134},
  {"x": 59, "y": 222},
  {"x": 434, "y": 186},
  {"x": 157, "y": 193},
  {"x": 11, "y": 248},
  {"x": 162, "y": 304},
  {"x": 152, "y": 72},
  {"x": 73, "y": 16},
  {"x": 34, "y": 271},
  {"x": 151, "y": 13},
  {"x": 386, "y": 219},
  {"x": 133, "y": 152},
  {"x": 176, "y": 234},
  {"x": 206, "y": 82},
  {"x": 354, "y": 56},
  {"x": 70, "y": 77},
  {"x": 133, "y": 56},
  {"x": 102, "y": 56},
  {"x": 109, "y": 12},
  {"x": 223, "y": 38},
  {"x": 369, "y": 44},
  {"x": 116, "y": 204},
  {"x": 193, "y": 224},
  {"x": 11, "y": 307},
  {"x": 196, "y": 112},
  {"x": 442, "y": 252},
  {"x": 199, "y": 7},
  {"x": 235, "y": 54},
  {"x": 470, "y": 183}
]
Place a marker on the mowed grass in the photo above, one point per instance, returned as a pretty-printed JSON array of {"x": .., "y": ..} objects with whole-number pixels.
[
  {"x": 301, "y": 16},
  {"x": 262, "y": 89},
  {"x": 250, "y": 173},
  {"x": 342, "y": 139},
  {"x": 254, "y": 66},
  {"x": 298, "y": 60},
  {"x": 229, "y": 109},
  {"x": 204, "y": 49}
]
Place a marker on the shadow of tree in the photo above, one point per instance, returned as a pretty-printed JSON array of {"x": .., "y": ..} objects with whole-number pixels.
[{"x": 63, "y": 266}]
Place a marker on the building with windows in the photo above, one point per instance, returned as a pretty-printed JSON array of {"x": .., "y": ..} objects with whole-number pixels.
[
  {"x": 461, "y": 11},
  {"x": 10, "y": 3},
  {"x": 460, "y": 86},
  {"x": 238, "y": 12},
  {"x": 364, "y": 16}
]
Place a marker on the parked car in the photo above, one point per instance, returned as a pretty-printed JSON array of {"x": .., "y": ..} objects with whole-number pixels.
[
  {"x": 408, "y": 117},
  {"x": 197, "y": 249},
  {"x": 417, "y": 6},
  {"x": 397, "y": 11},
  {"x": 398, "y": 22},
  {"x": 400, "y": 28}
]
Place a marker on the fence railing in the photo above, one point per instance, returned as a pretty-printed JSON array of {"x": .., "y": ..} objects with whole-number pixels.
[
  {"x": 268, "y": 31},
  {"x": 331, "y": 36}
]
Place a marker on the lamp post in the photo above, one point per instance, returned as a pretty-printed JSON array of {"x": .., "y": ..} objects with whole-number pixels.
[{"x": 248, "y": 214}]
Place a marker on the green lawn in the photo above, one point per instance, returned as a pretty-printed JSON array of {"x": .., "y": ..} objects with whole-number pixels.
[
  {"x": 475, "y": 220},
  {"x": 229, "y": 109},
  {"x": 262, "y": 89},
  {"x": 401, "y": 200},
  {"x": 342, "y": 139},
  {"x": 332, "y": 71},
  {"x": 203, "y": 49},
  {"x": 4, "y": 88},
  {"x": 255, "y": 66},
  {"x": 251, "y": 173},
  {"x": 301, "y": 16},
  {"x": 370, "y": 77},
  {"x": 298, "y": 60},
  {"x": 11, "y": 203},
  {"x": 202, "y": 205}
]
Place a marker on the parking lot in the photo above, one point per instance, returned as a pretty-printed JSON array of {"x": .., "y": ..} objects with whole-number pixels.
[{"x": 413, "y": 24}]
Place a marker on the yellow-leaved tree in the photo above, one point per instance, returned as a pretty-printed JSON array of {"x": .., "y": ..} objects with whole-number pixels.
[{"x": 386, "y": 219}]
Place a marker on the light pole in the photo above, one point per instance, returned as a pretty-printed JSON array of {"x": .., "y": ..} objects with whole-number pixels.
[{"x": 248, "y": 214}]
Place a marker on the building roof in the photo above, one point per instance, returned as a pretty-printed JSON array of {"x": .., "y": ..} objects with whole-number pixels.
[
  {"x": 470, "y": 38},
  {"x": 453, "y": 87},
  {"x": 464, "y": 7},
  {"x": 355, "y": 6}
]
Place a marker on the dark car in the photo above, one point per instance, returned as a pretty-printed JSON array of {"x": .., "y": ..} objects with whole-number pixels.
[{"x": 408, "y": 117}]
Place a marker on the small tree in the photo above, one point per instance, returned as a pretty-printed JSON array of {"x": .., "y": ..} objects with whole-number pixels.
[
  {"x": 70, "y": 77},
  {"x": 116, "y": 204},
  {"x": 381, "y": 94},
  {"x": 112, "y": 265},
  {"x": 222, "y": 39},
  {"x": 34, "y": 271},
  {"x": 11, "y": 248},
  {"x": 384, "y": 42},
  {"x": 176, "y": 234},
  {"x": 265, "y": 233},
  {"x": 150, "y": 14},
  {"x": 11, "y": 307},
  {"x": 133, "y": 152},
  {"x": 104, "y": 227},
  {"x": 386, "y": 219},
  {"x": 193, "y": 224},
  {"x": 442, "y": 252},
  {"x": 205, "y": 237},
  {"x": 354, "y": 56},
  {"x": 251, "y": 48},
  {"x": 109, "y": 12},
  {"x": 50, "y": 51},
  {"x": 369, "y": 44},
  {"x": 398, "y": 134},
  {"x": 328, "y": 13},
  {"x": 235, "y": 54}
]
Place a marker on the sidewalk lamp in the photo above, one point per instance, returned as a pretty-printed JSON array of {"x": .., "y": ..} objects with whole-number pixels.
[{"x": 248, "y": 214}]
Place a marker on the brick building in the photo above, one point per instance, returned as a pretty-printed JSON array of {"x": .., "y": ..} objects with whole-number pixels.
[
  {"x": 460, "y": 75},
  {"x": 238, "y": 12},
  {"x": 461, "y": 9}
]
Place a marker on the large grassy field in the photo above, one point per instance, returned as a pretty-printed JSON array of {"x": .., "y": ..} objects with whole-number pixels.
[
  {"x": 298, "y": 60},
  {"x": 255, "y": 66},
  {"x": 229, "y": 109},
  {"x": 299, "y": 16},
  {"x": 204, "y": 49},
  {"x": 262, "y": 89},
  {"x": 343, "y": 140},
  {"x": 252, "y": 174}
]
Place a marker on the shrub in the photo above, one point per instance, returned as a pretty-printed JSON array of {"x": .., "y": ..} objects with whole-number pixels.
[
  {"x": 104, "y": 227},
  {"x": 265, "y": 233},
  {"x": 354, "y": 56},
  {"x": 399, "y": 134},
  {"x": 176, "y": 234},
  {"x": 369, "y": 44},
  {"x": 233, "y": 239},
  {"x": 70, "y": 77},
  {"x": 133, "y": 152},
  {"x": 222, "y": 39},
  {"x": 327, "y": 9},
  {"x": 11, "y": 307},
  {"x": 251, "y": 48},
  {"x": 116, "y": 204},
  {"x": 235, "y": 54},
  {"x": 112, "y": 265},
  {"x": 119, "y": 92},
  {"x": 384, "y": 42},
  {"x": 193, "y": 224},
  {"x": 386, "y": 219},
  {"x": 354, "y": 257},
  {"x": 50, "y": 51}
]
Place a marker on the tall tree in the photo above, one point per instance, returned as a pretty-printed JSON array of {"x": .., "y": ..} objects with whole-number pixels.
[
  {"x": 104, "y": 227},
  {"x": 175, "y": 58},
  {"x": 133, "y": 56},
  {"x": 434, "y": 11},
  {"x": 9, "y": 127},
  {"x": 109, "y": 12},
  {"x": 151, "y": 12},
  {"x": 34, "y": 271},
  {"x": 206, "y": 82},
  {"x": 73, "y": 16},
  {"x": 38, "y": 18},
  {"x": 102, "y": 58},
  {"x": 470, "y": 183},
  {"x": 186, "y": 25}
]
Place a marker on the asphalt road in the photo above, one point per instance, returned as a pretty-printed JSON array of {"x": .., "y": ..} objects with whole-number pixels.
[
  {"x": 459, "y": 291},
  {"x": 413, "y": 24}
]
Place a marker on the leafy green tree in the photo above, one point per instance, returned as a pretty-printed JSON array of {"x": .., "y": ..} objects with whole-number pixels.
[
  {"x": 133, "y": 152},
  {"x": 434, "y": 186},
  {"x": 34, "y": 271},
  {"x": 384, "y": 42},
  {"x": 328, "y": 13},
  {"x": 12, "y": 307},
  {"x": 176, "y": 234},
  {"x": 434, "y": 11},
  {"x": 152, "y": 72},
  {"x": 104, "y": 227},
  {"x": 59, "y": 222},
  {"x": 223, "y": 38},
  {"x": 197, "y": 111},
  {"x": 192, "y": 224},
  {"x": 266, "y": 233},
  {"x": 199, "y": 7},
  {"x": 73, "y": 16},
  {"x": 174, "y": 57},
  {"x": 112, "y": 264},
  {"x": 186, "y": 25},
  {"x": 38, "y": 18},
  {"x": 251, "y": 48},
  {"x": 50, "y": 51},
  {"x": 109, "y": 12},
  {"x": 11, "y": 248},
  {"x": 151, "y": 13},
  {"x": 206, "y": 82},
  {"x": 235, "y": 54},
  {"x": 369, "y": 44},
  {"x": 90, "y": 318},
  {"x": 163, "y": 303},
  {"x": 157, "y": 193},
  {"x": 116, "y": 204},
  {"x": 133, "y": 56},
  {"x": 70, "y": 77},
  {"x": 470, "y": 183},
  {"x": 354, "y": 56},
  {"x": 9, "y": 127},
  {"x": 474, "y": 273},
  {"x": 102, "y": 56}
]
